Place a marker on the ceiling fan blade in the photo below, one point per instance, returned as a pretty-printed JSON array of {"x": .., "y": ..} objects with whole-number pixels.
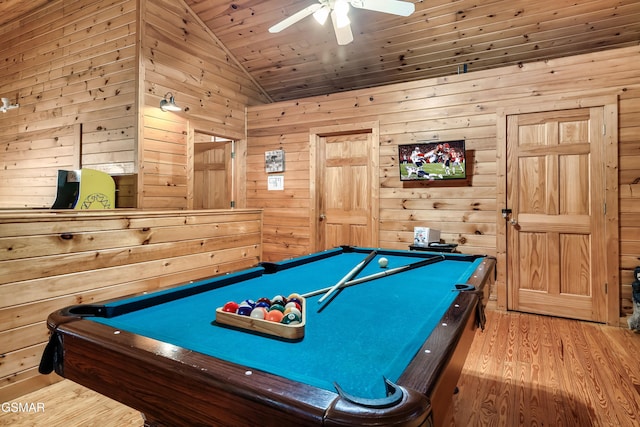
[
  {"x": 287, "y": 22},
  {"x": 343, "y": 32},
  {"x": 395, "y": 7}
]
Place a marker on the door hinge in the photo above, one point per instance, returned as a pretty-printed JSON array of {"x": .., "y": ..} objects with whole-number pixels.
[
  {"x": 604, "y": 208},
  {"x": 233, "y": 203},
  {"x": 233, "y": 154},
  {"x": 604, "y": 129},
  {"x": 606, "y": 288}
]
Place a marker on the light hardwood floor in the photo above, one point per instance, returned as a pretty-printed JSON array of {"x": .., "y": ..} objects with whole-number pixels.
[
  {"x": 527, "y": 370},
  {"x": 523, "y": 370}
]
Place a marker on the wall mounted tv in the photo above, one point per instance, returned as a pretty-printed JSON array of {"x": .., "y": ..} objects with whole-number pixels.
[{"x": 432, "y": 161}]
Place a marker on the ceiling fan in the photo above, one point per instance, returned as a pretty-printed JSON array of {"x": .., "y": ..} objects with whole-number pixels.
[{"x": 339, "y": 9}]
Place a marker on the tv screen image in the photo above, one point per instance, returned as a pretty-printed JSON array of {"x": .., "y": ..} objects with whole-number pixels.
[{"x": 432, "y": 161}]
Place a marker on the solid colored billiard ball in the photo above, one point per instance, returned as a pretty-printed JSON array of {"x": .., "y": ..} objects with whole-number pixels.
[
  {"x": 244, "y": 309},
  {"x": 274, "y": 316},
  {"x": 276, "y": 306},
  {"x": 278, "y": 299},
  {"x": 230, "y": 307},
  {"x": 383, "y": 262}
]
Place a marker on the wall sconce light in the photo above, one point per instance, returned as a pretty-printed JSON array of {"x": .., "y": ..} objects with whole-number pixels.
[
  {"x": 169, "y": 104},
  {"x": 6, "y": 105}
]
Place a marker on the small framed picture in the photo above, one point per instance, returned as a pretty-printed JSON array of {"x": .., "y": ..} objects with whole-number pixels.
[
  {"x": 275, "y": 183},
  {"x": 274, "y": 161}
]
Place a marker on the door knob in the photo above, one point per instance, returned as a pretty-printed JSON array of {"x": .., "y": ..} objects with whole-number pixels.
[
  {"x": 322, "y": 217},
  {"x": 513, "y": 222}
]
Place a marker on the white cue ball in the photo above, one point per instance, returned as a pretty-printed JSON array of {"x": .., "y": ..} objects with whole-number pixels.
[{"x": 383, "y": 262}]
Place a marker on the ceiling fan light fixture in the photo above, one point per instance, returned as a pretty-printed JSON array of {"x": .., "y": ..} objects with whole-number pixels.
[
  {"x": 341, "y": 7},
  {"x": 343, "y": 32},
  {"x": 343, "y": 21},
  {"x": 322, "y": 14}
]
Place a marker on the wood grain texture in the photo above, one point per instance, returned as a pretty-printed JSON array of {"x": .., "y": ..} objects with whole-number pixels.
[
  {"x": 446, "y": 108},
  {"x": 89, "y": 76},
  {"x": 179, "y": 54},
  {"x": 71, "y": 68},
  {"x": 438, "y": 39},
  {"x": 522, "y": 370},
  {"x": 557, "y": 234},
  {"x": 50, "y": 260},
  {"x": 536, "y": 370}
]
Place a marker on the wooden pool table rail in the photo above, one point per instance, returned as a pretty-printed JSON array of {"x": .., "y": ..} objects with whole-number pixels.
[
  {"x": 205, "y": 390},
  {"x": 175, "y": 386},
  {"x": 437, "y": 366}
]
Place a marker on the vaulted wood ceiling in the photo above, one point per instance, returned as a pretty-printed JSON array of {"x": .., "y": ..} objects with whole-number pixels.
[{"x": 438, "y": 39}]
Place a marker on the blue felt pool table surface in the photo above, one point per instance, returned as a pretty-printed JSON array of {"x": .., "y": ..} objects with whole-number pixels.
[{"x": 362, "y": 334}]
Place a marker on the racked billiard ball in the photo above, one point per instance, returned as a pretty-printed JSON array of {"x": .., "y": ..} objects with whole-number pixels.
[
  {"x": 278, "y": 299},
  {"x": 244, "y": 309},
  {"x": 293, "y": 304},
  {"x": 274, "y": 316},
  {"x": 297, "y": 300},
  {"x": 250, "y": 302},
  {"x": 259, "y": 313},
  {"x": 292, "y": 310},
  {"x": 276, "y": 306},
  {"x": 230, "y": 307},
  {"x": 291, "y": 319}
]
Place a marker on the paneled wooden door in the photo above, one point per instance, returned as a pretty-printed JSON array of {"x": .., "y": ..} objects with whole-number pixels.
[
  {"x": 346, "y": 193},
  {"x": 556, "y": 244},
  {"x": 212, "y": 175}
]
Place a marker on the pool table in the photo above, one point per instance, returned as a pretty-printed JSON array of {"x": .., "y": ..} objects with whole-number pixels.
[{"x": 387, "y": 351}]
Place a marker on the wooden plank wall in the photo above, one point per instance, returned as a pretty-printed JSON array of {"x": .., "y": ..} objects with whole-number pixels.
[
  {"x": 457, "y": 106},
  {"x": 80, "y": 69},
  {"x": 52, "y": 260},
  {"x": 71, "y": 66},
  {"x": 181, "y": 56}
]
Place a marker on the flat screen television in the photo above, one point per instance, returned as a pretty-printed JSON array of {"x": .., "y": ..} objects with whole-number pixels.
[{"x": 432, "y": 161}]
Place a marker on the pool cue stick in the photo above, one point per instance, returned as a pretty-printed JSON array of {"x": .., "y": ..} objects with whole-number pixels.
[
  {"x": 357, "y": 269},
  {"x": 375, "y": 276}
]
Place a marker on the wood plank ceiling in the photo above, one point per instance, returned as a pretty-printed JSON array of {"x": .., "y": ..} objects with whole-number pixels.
[{"x": 438, "y": 39}]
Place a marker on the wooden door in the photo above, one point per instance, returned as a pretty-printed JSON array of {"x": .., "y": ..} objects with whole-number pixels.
[
  {"x": 212, "y": 175},
  {"x": 346, "y": 199},
  {"x": 556, "y": 237}
]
